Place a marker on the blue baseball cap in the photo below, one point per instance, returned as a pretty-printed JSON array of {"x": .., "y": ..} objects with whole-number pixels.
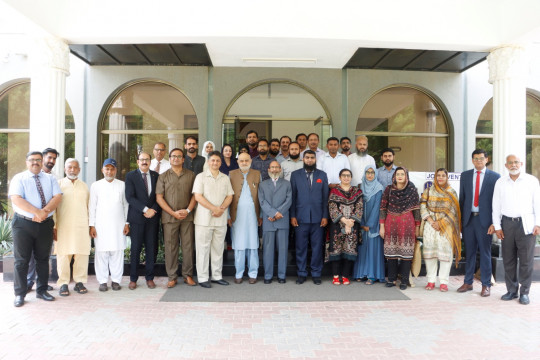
[{"x": 109, "y": 162}]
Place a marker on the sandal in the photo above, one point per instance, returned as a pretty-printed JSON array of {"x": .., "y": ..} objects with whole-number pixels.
[
  {"x": 345, "y": 281},
  {"x": 335, "y": 281},
  {"x": 64, "y": 291},
  {"x": 79, "y": 287},
  {"x": 443, "y": 287},
  {"x": 369, "y": 282},
  {"x": 430, "y": 286}
]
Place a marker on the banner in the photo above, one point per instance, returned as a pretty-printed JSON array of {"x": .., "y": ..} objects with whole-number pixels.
[{"x": 423, "y": 180}]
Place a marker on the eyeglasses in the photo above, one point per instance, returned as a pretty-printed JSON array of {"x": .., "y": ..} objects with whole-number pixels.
[
  {"x": 516, "y": 162},
  {"x": 370, "y": 172},
  {"x": 160, "y": 150},
  {"x": 176, "y": 156},
  {"x": 144, "y": 160},
  {"x": 35, "y": 160},
  {"x": 479, "y": 159},
  {"x": 346, "y": 175}
]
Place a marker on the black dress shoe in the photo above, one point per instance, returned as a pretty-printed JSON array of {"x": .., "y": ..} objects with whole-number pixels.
[
  {"x": 220, "y": 282},
  {"x": 390, "y": 284},
  {"x": 267, "y": 281},
  {"x": 509, "y": 296},
  {"x": 317, "y": 281},
  {"x": 524, "y": 299},
  {"x": 45, "y": 296},
  {"x": 403, "y": 286},
  {"x": 281, "y": 281},
  {"x": 300, "y": 280},
  {"x": 19, "y": 301},
  {"x": 205, "y": 284}
]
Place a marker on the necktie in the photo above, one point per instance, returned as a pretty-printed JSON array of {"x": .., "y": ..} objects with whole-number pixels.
[
  {"x": 40, "y": 190},
  {"x": 477, "y": 189},
  {"x": 145, "y": 182},
  {"x": 157, "y": 167},
  {"x": 309, "y": 179}
]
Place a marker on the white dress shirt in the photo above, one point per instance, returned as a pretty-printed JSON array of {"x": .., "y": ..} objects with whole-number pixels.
[
  {"x": 164, "y": 165},
  {"x": 358, "y": 165},
  {"x": 333, "y": 165},
  {"x": 319, "y": 155},
  {"x": 520, "y": 198}
]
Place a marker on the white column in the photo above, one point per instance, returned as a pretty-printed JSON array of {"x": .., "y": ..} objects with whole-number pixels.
[
  {"x": 507, "y": 72},
  {"x": 49, "y": 59}
]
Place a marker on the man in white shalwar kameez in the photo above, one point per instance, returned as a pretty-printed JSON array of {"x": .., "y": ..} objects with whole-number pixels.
[
  {"x": 72, "y": 240},
  {"x": 108, "y": 226}
]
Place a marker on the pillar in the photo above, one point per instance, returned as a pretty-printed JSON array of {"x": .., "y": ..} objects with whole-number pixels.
[
  {"x": 507, "y": 72},
  {"x": 49, "y": 59}
]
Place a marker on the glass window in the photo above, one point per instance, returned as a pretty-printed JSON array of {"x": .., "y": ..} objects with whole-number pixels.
[
  {"x": 15, "y": 134},
  {"x": 484, "y": 132},
  {"x": 274, "y": 109},
  {"x": 141, "y": 115},
  {"x": 410, "y": 122}
]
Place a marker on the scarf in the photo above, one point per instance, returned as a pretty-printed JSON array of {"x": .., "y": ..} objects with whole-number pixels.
[
  {"x": 403, "y": 200},
  {"x": 442, "y": 201},
  {"x": 370, "y": 188}
]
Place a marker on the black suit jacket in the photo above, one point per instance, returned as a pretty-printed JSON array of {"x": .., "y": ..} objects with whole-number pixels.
[{"x": 138, "y": 198}]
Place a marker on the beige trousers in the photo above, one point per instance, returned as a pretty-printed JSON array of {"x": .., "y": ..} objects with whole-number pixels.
[
  {"x": 209, "y": 245},
  {"x": 444, "y": 270},
  {"x": 80, "y": 268}
]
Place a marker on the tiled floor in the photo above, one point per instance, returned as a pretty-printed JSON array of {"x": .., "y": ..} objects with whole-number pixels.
[{"x": 135, "y": 324}]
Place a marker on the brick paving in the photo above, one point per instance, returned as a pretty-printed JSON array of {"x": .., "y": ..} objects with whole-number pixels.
[{"x": 135, "y": 324}]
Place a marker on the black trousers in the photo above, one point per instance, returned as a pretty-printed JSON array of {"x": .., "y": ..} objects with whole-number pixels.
[
  {"x": 140, "y": 234},
  {"x": 31, "y": 236},
  {"x": 393, "y": 270},
  {"x": 516, "y": 245}
]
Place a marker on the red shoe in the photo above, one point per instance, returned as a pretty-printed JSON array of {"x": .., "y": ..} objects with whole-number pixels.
[
  {"x": 345, "y": 281},
  {"x": 431, "y": 286},
  {"x": 335, "y": 281},
  {"x": 443, "y": 287}
]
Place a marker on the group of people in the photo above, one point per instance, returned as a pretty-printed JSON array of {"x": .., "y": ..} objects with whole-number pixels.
[{"x": 350, "y": 213}]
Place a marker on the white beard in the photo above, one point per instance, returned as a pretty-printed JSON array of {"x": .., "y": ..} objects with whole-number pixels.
[
  {"x": 514, "y": 172},
  {"x": 109, "y": 179},
  {"x": 71, "y": 177},
  {"x": 274, "y": 176}
]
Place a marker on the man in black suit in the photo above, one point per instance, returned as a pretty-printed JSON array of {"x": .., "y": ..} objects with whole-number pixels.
[
  {"x": 475, "y": 201},
  {"x": 143, "y": 217}
]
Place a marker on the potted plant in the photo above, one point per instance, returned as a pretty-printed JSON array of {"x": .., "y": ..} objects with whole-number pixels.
[{"x": 6, "y": 240}]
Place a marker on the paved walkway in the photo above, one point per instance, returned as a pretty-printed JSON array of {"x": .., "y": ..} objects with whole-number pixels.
[{"x": 135, "y": 324}]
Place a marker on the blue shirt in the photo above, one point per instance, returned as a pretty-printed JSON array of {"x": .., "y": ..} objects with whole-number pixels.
[
  {"x": 262, "y": 165},
  {"x": 385, "y": 176},
  {"x": 482, "y": 173},
  {"x": 24, "y": 185}
]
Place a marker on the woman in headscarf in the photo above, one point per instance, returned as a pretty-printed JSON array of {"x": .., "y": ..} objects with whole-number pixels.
[
  {"x": 399, "y": 225},
  {"x": 345, "y": 208},
  {"x": 208, "y": 147},
  {"x": 370, "y": 261},
  {"x": 228, "y": 161},
  {"x": 439, "y": 207},
  {"x": 243, "y": 148}
]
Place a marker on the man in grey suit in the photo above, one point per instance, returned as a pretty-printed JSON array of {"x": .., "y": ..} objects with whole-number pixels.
[{"x": 275, "y": 197}]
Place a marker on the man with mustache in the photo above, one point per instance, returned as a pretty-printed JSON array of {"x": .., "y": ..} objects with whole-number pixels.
[
  {"x": 193, "y": 161},
  {"x": 345, "y": 144},
  {"x": 35, "y": 196},
  {"x": 284, "y": 143},
  {"x": 516, "y": 217},
  {"x": 49, "y": 161}
]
